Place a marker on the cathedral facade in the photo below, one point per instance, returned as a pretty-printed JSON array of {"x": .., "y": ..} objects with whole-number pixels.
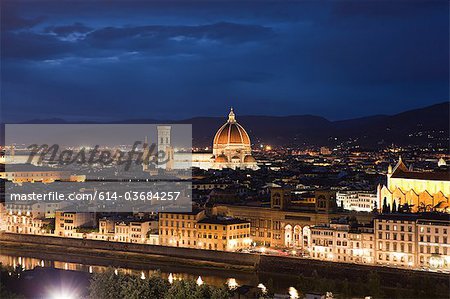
[
  {"x": 231, "y": 148},
  {"x": 423, "y": 191}
]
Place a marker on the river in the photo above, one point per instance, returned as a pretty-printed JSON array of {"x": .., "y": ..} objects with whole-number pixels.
[{"x": 39, "y": 261}]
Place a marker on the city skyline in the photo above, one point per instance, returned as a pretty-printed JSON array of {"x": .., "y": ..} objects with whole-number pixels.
[
  {"x": 224, "y": 149},
  {"x": 155, "y": 60}
]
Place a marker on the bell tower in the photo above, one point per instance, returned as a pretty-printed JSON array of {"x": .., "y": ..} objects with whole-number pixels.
[{"x": 163, "y": 144}]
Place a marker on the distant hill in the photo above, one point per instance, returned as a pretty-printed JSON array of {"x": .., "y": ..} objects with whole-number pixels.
[
  {"x": 411, "y": 127},
  {"x": 429, "y": 125}
]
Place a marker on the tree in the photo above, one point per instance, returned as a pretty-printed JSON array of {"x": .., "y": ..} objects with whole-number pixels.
[
  {"x": 375, "y": 208},
  {"x": 182, "y": 289},
  {"x": 374, "y": 285},
  {"x": 345, "y": 288},
  {"x": 111, "y": 285},
  {"x": 394, "y": 207},
  {"x": 136, "y": 288},
  {"x": 106, "y": 285},
  {"x": 158, "y": 285},
  {"x": 220, "y": 293},
  {"x": 385, "y": 206},
  {"x": 405, "y": 208}
]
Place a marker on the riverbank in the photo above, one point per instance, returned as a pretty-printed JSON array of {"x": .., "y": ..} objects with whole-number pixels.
[
  {"x": 78, "y": 249},
  {"x": 120, "y": 254}
]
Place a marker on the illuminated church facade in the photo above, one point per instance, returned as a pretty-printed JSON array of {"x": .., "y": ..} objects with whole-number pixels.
[
  {"x": 424, "y": 191},
  {"x": 231, "y": 148}
]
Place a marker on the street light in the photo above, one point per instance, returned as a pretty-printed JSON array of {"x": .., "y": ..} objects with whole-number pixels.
[
  {"x": 232, "y": 283},
  {"x": 262, "y": 288},
  {"x": 293, "y": 293},
  {"x": 62, "y": 292},
  {"x": 199, "y": 281}
]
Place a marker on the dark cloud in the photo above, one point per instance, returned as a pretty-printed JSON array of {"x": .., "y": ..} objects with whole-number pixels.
[
  {"x": 61, "y": 41},
  {"x": 12, "y": 21},
  {"x": 68, "y": 29},
  {"x": 33, "y": 46},
  {"x": 143, "y": 36},
  {"x": 173, "y": 60}
]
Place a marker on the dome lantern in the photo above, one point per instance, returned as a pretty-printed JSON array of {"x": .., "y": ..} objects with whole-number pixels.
[{"x": 231, "y": 116}]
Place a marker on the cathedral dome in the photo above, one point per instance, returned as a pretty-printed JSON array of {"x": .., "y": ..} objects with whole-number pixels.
[
  {"x": 221, "y": 159},
  {"x": 249, "y": 159},
  {"x": 231, "y": 133}
]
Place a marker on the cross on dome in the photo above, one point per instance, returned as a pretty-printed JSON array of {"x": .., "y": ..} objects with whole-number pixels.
[{"x": 231, "y": 116}]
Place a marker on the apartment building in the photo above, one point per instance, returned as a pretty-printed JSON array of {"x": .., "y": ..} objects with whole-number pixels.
[
  {"x": 361, "y": 245},
  {"x": 223, "y": 233},
  {"x": 361, "y": 201},
  {"x": 67, "y": 223},
  {"x": 395, "y": 240},
  {"x": 433, "y": 242},
  {"x": 38, "y": 209},
  {"x": 322, "y": 243},
  {"x": 330, "y": 242},
  {"x": 24, "y": 223},
  {"x": 127, "y": 230},
  {"x": 195, "y": 230},
  {"x": 178, "y": 229}
]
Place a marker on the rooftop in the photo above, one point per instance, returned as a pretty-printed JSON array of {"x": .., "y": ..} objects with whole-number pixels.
[
  {"x": 194, "y": 211},
  {"x": 401, "y": 171},
  {"x": 420, "y": 217},
  {"x": 416, "y": 175},
  {"x": 223, "y": 220}
]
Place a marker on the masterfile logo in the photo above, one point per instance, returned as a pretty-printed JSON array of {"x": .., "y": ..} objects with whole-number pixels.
[{"x": 108, "y": 168}]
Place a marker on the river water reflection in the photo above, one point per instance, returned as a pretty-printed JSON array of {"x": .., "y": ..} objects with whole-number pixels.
[{"x": 31, "y": 260}]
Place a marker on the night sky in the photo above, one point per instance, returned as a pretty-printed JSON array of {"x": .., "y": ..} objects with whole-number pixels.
[{"x": 110, "y": 61}]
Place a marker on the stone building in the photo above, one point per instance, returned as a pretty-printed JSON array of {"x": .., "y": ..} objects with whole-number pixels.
[
  {"x": 424, "y": 191},
  {"x": 395, "y": 240},
  {"x": 222, "y": 233},
  {"x": 67, "y": 223},
  {"x": 231, "y": 148},
  {"x": 284, "y": 224},
  {"x": 25, "y": 223},
  {"x": 433, "y": 242},
  {"x": 196, "y": 230}
]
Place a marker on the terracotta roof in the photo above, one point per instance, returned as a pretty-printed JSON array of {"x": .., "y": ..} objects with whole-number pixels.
[
  {"x": 433, "y": 176},
  {"x": 223, "y": 220},
  {"x": 231, "y": 133},
  {"x": 401, "y": 171}
]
